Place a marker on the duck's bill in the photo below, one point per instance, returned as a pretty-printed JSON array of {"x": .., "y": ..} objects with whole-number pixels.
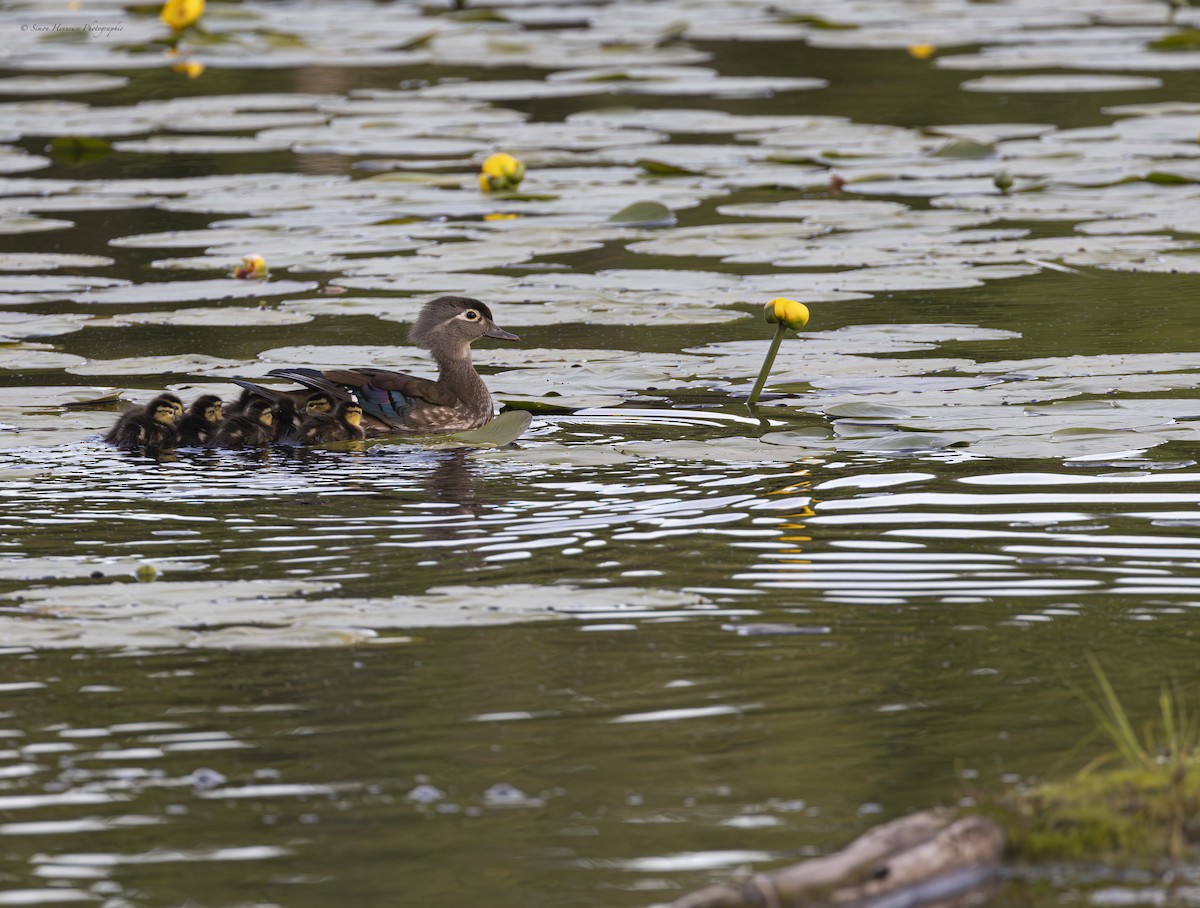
[{"x": 500, "y": 334}]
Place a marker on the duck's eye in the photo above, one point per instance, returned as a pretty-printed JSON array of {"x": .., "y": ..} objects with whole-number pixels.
[{"x": 471, "y": 315}]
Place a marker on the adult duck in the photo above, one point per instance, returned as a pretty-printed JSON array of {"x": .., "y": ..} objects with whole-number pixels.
[{"x": 398, "y": 404}]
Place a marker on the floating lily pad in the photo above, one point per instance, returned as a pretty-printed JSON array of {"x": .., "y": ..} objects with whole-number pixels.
[
  {"x": 188, "y": 363},
  {"x": 233, "y": 316},
  {"x": 194, "y": 291},
  {"x": 1061, "y": 83},
  {"x": 503, "y": 430},
  {"x": 19, "y": 357},
  {"x": 70, "y": 84},
  {"x": 24, "y": 324},
  {"x": 49, "y": 261},
  {"x": 15, "y": 224},
  {"x": 17, "y": 160}
]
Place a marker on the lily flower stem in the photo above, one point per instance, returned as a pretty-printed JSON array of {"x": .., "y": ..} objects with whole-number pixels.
[{"x": 768, "y": 362}]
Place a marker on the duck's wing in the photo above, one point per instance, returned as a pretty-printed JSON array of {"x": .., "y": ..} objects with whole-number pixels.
[
  {"x": 274, "y": 395},
  {"x": 387, "y": 396}
]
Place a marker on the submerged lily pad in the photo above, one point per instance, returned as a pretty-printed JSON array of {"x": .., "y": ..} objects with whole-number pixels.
[{"x": 644, "y": 214}]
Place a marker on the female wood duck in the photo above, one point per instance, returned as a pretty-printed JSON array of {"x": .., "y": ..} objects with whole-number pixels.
[
  {"x": 151, "y": 427},
  {"x": 252, "y": 428},
  {"x": 399, "y": 404},
  {"x": 201, "y": 420},
  {"x": 343, "y": 424}
]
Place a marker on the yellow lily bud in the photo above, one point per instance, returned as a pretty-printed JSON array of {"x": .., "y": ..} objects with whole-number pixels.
[
  {"x": 790, "y": 313},
  {"x": 501, "y": 172},
  {"x": 252, "y": 268},
  {"x": 921, "y": 51},
  {"x": 193, "y": 69},
  {"x": 179, "y": 14}
]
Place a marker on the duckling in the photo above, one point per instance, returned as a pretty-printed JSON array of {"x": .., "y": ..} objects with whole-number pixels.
[
  {"x": 252, "y": 428},
  {"x": 151, "y": 427},
  {"x": 395, "y": 403},
  {"x": 343, "y": 424},
  {"x": 201, "y": 421}
]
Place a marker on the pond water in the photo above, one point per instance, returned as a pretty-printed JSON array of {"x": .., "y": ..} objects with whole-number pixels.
[{"x": 663, "y": 638}]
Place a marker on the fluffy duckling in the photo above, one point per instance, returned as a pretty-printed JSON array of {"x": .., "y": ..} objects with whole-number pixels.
[
  {"x": 252, "y": 428},
  {"x": 343, "y": 424},
  {"x": 151, "y": 427},
  {"x": 201, "y": 421},
  {"x": 395, "y": 403}
]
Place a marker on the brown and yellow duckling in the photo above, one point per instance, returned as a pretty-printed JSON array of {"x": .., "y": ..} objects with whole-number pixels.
[
  {"x": 252, "y": 428},
  {"x": 291, "y": 407},
  {"x": 343, "y": 424},
  {"x": 152, "y": 427},
  {"x": 202, "y": 419}
]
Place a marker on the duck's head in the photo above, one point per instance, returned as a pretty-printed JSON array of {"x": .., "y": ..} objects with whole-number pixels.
[
  {"x": 169, "y": 401},
  {"x": 318, "y": 403},
  {"x": 260, "y": 410},
  {"x": 452, "y": 323},
  {"x": 208, "y": 407},
  {"x": 350, "y": 413},
  {"x": 163, "y": 413},
  {"x": 168, "y": 398}
]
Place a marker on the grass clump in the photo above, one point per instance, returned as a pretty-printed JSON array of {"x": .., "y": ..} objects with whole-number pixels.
[{"x": 1143, "y": 808}]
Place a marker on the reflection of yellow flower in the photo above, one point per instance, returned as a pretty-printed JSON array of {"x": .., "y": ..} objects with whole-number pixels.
[
  {"x": 252, "y": 268},
  {"x": 790, "y": 313},
  {"x": 921, "y": 51},
  {"x": 193, "y": 69},
  {"x": 501, "y": 172},
  {"x": 179, "y": 14}
]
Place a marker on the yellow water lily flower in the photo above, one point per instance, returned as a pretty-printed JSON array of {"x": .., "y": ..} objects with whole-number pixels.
[
  {"x": 179, "y": 14},
  {"x": 252, "y": 268},
  {"x": 193, "y": 69},
  {"x": 921, "y": 51},
  {"x": 787, "y": 312},
  {"x": 783, "y": 313},
  {"x": 501, "y": 172}
]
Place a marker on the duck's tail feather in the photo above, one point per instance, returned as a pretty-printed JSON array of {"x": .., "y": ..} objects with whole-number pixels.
[{"x": 314, "y": 380}]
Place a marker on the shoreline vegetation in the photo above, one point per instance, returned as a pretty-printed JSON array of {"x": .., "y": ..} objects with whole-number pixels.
[{"x": 1143, "y": 812}]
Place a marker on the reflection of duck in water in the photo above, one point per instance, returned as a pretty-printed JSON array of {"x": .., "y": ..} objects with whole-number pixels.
[
  {"x": 151, "y": 427},
  {"x": 252, "y": 428},
  {"x": 395, "y": 403},
  {"x": 201, "y": 420},
  {"x": 343, "y": 424}
]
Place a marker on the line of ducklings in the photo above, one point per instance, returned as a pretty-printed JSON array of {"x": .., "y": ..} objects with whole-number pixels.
[{"x": 258, "y": 418}]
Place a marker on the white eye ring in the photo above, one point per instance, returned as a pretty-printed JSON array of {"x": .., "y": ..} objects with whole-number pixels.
[{"x": 471, "y": 315}]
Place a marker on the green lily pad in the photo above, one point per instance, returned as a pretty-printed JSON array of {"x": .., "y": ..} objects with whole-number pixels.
[
  {"x": 503, "y": 430},
  {"x": 643, "y": 214}
]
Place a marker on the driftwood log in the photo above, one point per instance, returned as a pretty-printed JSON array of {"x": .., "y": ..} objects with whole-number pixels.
[{"x": 927, "y": 857}]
